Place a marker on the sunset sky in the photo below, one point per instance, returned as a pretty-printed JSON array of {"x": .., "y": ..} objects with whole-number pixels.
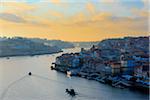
[{"x": 74, "y": 20}]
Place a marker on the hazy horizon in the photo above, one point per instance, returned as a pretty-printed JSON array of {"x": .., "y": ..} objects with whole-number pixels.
[{"x": 71, "y": 41}]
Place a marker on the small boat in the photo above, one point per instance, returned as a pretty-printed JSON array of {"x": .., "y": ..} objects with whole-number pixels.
[
  {"x": 52, "y": 67},
  {"x": 29, "y": 73},
  {"x": 71, "y": 92},
  {"x": 119, "y": 86},
  {"x": 7, "y": 58}
]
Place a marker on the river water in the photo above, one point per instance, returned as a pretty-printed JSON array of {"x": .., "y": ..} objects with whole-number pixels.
[{"x": 46, "y": 84}]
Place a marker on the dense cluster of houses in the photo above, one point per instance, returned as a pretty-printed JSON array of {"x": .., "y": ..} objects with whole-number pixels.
[{"x": 114, "y": 61}]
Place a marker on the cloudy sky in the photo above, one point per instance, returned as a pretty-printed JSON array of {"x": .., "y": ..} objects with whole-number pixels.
[{"x": 74, "y": 20}]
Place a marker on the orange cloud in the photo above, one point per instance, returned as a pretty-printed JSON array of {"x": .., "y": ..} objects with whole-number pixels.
[
  {"x": 55, "y": 14},
  {"x": 108, "y": 1},
  {"x": 79, "y": 27},
  {"x": 16, "y": 7},
  {"x": 100, "y": 16},
  {"x": 90, "y": 7},
  {"x": 141, "y": 13},
  {"x": 55, "y": 1},
  {"x": 79, "y": 17},
  {"x": 59, "y": 3}
]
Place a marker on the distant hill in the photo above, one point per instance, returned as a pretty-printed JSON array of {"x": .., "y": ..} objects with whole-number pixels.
[
  {"x": 85, "y": 44},
  {"x": 19, "y": 46},
  {"x": 58, "y": 43},
  {"x": 127, "y": 43},
  {"x": 63, "y": 44},
  {"x": 22, "y": 46}
]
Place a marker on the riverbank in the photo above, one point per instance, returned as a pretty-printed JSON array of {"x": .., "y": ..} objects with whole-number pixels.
[
  {"x": 19, "y": 46},
  {"x": 122, "y": 82},
  {"x": 111, "y": 62},
  {"x": 15, "y": 55}
]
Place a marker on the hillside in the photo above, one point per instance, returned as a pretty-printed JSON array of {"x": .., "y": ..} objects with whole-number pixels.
[
  {"x": 22, "y": 46},
  {"x": 129, "y": 44},
  {"x": 58, "y": 43}
]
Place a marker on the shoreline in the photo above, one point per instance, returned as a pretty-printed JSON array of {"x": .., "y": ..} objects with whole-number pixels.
[
  {"x": 21, "y": 55},
  {"x": 107, "y": 81}
]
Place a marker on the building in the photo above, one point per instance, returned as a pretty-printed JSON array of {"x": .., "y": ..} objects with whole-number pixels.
[
  {"x": 115, "y": 68},
  {"x": 127, "y": 64}
]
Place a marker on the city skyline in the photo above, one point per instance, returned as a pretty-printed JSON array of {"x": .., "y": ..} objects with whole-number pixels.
[{"x": 86, "y": 20}]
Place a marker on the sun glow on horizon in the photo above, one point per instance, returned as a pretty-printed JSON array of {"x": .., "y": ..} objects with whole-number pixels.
[{"x": 74, "y": 21}]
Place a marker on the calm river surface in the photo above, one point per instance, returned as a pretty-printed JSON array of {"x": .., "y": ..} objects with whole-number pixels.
[{"x": 46, "y": 84}]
